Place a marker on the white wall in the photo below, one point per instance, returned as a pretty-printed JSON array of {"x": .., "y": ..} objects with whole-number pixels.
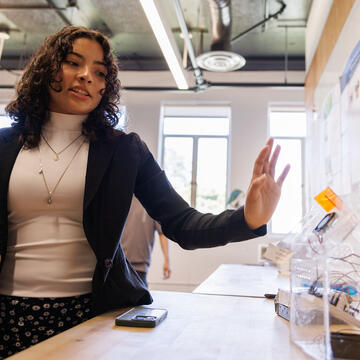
[
  {"x": 318, "y": 177},
  {"x": 316, "y": 21},
  {"x": 249, "y": 134},
  {"x": 345, "y": 44}
]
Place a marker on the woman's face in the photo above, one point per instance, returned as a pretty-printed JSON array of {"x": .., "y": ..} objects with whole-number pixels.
[{"x": 82, "y": 76}]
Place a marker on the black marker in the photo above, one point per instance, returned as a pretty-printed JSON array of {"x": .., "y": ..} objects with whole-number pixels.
[{"x": 270, "y": 296}]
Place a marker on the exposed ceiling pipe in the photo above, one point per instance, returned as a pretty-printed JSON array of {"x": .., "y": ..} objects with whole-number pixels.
[
  {"x": 215, "y": 86},
  {"x": 50, "y": 6},
  {"x": 3, "y": 36},
  {"x": 201, "y": 83},
  {"x": 30, "y": 7},
  {"x": 266, "y": 14},
  {"x": 60, "y": 14},
  {"x": 220, "y": 58},
  {"x": 271, "y": 16},
  {"x": 221, "y": 24}
]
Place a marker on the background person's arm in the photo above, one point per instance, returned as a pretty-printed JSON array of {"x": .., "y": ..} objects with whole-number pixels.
[{"x": 164, "y": 243}]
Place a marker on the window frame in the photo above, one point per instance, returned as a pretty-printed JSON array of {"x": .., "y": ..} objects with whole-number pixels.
[
  {"x": 287, "y": 108},
  {"x": 195, "y": 138}
]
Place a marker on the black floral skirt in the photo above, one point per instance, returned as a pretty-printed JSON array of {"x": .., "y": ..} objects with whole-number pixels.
[{"x": 25, "y": 321}]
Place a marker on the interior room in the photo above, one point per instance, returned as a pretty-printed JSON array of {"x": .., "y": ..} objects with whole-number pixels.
[{"x": 205, "y": 84}]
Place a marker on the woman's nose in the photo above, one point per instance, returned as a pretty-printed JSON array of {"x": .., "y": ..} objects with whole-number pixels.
[
  {"x": 85, "y": 78},
  {"x": 84, "y": 74}
]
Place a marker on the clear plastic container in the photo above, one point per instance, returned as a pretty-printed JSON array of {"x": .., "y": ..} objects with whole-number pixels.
[{"x": 325, "y": 280}]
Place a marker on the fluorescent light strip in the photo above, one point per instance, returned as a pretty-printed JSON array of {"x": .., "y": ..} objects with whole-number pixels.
[{"x": 167, "y": 46}]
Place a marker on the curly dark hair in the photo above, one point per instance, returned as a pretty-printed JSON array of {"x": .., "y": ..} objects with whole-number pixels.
[{"x": 29, "y": 110}]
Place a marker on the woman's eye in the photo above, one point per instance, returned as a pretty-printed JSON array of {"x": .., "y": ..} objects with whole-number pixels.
[
  {"x": 101, "y": 74},
  {"x": 72, "y": 63}
]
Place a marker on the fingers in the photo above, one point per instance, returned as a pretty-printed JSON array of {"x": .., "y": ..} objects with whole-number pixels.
[
  {"x": 260, "y": 161},
  {"x": 166, "y": 272},
  {"x": 269, "y": 143},
  {"x": 283, "y": 175},
  {"x": 273, "y": 161}
]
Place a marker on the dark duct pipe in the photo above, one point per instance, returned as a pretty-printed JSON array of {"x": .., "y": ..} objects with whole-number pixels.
[
  {"x": 221, "y": 24},
  {"x": 220, "y": 58}
]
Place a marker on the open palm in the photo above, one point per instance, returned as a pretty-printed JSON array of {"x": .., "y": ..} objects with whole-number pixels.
[{"x": 264, "y": 192}]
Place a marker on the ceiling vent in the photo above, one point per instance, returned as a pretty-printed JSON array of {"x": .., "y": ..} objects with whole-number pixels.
[
  {"x": 221, "y": 61},
  {"x": 220, "y": 58}
]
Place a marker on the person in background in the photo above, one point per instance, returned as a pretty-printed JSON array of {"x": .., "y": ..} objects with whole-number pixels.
[
  {"x": 138, "y": 238},
  {"x": 236, "y": 199},
  {"x": 67, "y": 179}
]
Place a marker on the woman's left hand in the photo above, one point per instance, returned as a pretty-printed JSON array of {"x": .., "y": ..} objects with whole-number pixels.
[{"x": 264, "y": 192}]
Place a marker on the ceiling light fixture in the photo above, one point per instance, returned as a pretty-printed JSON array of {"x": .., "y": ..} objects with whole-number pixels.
[
  {"x": 166, "y": 41},
  {"x": 221, "y": 61}
]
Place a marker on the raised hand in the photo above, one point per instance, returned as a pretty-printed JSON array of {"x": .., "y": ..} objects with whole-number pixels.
[{"x": 264, "y": 192}]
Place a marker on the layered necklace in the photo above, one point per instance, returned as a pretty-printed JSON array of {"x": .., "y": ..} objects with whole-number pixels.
[
  {"x": 49, "y": 198},
  {"x": 57, "y": 153}
]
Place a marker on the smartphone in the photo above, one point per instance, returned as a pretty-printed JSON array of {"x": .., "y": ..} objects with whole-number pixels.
[{"x": 141, "y": 316}]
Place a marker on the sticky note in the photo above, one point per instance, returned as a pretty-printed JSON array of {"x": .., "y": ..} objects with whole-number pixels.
[{"x": 328, "y": 200}]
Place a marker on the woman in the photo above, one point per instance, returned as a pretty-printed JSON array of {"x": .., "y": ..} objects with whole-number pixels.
[{"x": 67, "y": 178}]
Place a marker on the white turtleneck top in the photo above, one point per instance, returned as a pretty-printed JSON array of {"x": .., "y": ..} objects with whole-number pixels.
[{"x": 48, "y": 254}]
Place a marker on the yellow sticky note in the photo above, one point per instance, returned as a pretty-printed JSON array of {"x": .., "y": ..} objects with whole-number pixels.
[{"x": 328, "y": 200}]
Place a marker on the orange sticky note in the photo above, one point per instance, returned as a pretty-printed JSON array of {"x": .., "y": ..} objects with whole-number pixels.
[{"x": 328, "y": 200}]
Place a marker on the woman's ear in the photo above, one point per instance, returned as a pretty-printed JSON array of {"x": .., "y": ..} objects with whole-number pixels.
[{"x": 55, "y": 85}]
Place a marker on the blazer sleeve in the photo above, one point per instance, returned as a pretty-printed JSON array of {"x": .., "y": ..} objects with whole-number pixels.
[{"x": 180, "y": 222}]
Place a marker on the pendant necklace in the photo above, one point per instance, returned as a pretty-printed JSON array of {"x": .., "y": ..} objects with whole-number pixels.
[
  {"x": 57, "y": 153},
  {"x": 49, "y": 199}
]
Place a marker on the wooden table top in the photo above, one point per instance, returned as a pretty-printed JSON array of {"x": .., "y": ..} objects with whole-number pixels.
[
  {"x": 243, "y": 280},
  {"x": 197, "y": 327}
]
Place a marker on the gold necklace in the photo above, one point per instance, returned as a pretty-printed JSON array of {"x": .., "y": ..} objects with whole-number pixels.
[
  {"x": 49, "y": 199},
  {"x": 57, "y": 153}
]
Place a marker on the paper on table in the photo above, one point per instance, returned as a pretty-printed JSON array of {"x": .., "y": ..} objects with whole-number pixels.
[{"x": 280, "y": 256}]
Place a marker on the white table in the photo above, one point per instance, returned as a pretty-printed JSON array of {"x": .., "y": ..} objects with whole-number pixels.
[
  {"x": 197, "y": 327},
  {"x": 243, "y": 280}
]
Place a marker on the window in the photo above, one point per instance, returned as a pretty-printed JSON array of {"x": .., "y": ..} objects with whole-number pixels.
[
  {"x": 195, "y": 151},
  {"x": 287, "y": 126},
  {"x": 122, "y": 118},
  {"x": 5, "y": 121}
]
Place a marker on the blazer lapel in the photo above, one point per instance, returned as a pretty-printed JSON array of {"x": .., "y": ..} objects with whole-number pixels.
[
  {"x": 100, "y": 154},
  {"x": 9, "y": 149}
]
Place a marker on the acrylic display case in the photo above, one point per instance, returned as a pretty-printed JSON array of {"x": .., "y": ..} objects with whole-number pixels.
[{"x": 325, "y": 280}]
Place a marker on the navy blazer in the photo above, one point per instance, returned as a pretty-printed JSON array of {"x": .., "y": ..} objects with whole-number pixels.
[{"x": 118, "y": 168}]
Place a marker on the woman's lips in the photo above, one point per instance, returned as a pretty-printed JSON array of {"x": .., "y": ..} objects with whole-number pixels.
[{"x": 81, "y": 94}]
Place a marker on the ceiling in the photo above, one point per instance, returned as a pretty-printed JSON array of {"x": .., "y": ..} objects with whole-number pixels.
[{"x": 276, "y": 44}]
